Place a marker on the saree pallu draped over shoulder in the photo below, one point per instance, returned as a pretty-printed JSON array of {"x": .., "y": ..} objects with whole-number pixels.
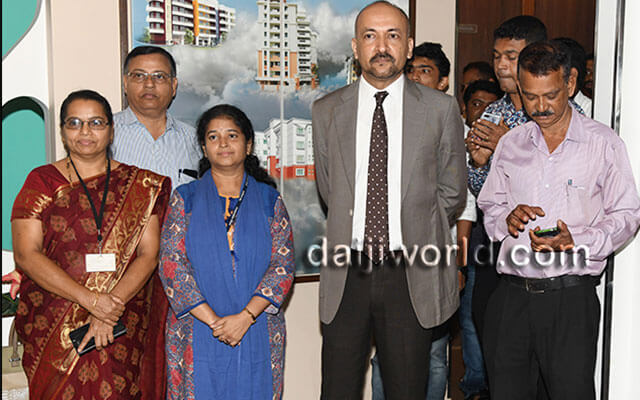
[{"x": 133, "y": 366}]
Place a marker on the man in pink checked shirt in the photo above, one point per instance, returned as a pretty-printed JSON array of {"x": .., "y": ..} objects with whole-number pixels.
[{"x": 562, "y": 170}]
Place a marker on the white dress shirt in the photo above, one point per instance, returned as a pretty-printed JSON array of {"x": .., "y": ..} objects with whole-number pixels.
[
  {"x": 393, "y": 113},
  {"x": 584, "y": 102}
]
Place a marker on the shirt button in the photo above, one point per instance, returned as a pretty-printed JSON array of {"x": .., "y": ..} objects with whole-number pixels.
[
  {"x": 546, "y": 186},
  {"x": 550, "y": 158}
]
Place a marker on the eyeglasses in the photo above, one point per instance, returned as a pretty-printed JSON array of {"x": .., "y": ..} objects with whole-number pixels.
[
  {"x": 95, "y": 124},
  {"x": 156, "y": 77}
]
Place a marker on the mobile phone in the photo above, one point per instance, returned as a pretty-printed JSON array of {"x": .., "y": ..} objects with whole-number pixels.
[
  {"x": 493, "y": 118},
  {"x": 551, "y": 232},
  {"x": 77, "y": 335}
]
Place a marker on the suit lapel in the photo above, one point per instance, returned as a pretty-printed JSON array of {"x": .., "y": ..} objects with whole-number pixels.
[
  {"x": 413, "y": 123},
  {"x": 346, "y": 120}
]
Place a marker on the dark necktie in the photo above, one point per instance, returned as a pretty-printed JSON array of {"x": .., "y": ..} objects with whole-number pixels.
[{"x": 376, "y": 226}]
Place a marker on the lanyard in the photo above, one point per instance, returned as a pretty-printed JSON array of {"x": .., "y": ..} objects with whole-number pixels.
[
  {"x": 234, "y": 213},
  {"x": 96, "y": 217}
]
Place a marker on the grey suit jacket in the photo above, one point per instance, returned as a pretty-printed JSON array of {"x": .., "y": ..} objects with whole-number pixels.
[{"x": 434, "y": 177}]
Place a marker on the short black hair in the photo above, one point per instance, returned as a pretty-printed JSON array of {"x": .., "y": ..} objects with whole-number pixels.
[
  {"x": 484, "y": 68},
  {"x": 484, "y": 85},
  {"x": 432, "y": 51},
  {"x": 406, "y": 17},
  {"x": 541, "y": 58},
  {"x": 144, "y": 50},
  {"x": 578, "y": 58},
  {"x": 523, "y": 27}
]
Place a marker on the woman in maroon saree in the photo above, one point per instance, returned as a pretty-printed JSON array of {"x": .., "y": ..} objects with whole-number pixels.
[{"x": 54, "y": 226}]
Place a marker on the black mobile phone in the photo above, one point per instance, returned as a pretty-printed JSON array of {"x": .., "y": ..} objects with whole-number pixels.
[
  {"x": 547, "y": 232},
  {"x": 77, "y": 335}
]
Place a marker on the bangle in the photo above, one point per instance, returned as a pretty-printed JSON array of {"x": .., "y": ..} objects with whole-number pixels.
[
  {"x": 253, "y": 317},
  {"x": 95, "y": 299}
]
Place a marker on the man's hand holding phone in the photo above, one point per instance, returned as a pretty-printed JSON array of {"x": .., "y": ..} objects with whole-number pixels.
[
  {"x": 487, "y": 130},
  {"x": 543, "y": 242},
  {"x": 479, "y": 155},
  {"x": 520, "y": 216}
]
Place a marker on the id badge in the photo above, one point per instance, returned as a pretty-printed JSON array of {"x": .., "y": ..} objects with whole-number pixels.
[{"x": 105, "y": 262}]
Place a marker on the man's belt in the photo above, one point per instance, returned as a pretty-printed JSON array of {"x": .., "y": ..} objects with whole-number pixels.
[{"x": 533, "y": 285}]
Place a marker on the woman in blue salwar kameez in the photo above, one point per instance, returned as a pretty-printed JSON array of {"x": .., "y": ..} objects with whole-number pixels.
[{"x": 227, "y": 264}]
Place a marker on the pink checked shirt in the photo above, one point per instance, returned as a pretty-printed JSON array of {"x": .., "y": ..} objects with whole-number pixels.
[{"x": 586, "y": 182}]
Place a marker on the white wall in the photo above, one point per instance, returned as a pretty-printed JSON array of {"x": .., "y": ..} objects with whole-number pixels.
[
  {"x": 436, "y": 22},
  {"x": 625, "y": 352},
  {"x": 302, "y": 376},
  {"x": 85, "y": 53},
  {"x": 625, "y": 349}
]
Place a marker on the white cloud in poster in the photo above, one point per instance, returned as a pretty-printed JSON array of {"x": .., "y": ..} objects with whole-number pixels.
[
  {"x": 205, "y": 70},
  {"x": 334, "y": 32}
]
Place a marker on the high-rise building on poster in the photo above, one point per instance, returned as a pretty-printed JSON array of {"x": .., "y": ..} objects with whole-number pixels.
[
  {"x": 296, "y": 156},
  {"x": 287, "y": 44},
  {"x": 197, "y": 22}
]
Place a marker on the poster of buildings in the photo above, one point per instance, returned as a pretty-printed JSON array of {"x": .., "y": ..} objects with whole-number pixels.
[{"x": 272, "y": 59}]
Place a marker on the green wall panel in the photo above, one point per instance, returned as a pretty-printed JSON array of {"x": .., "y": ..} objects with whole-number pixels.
[
  {"x": 23, "y": 148},
  {"x": 23, "y": 130},
  {"x": 17, "y": 16}
]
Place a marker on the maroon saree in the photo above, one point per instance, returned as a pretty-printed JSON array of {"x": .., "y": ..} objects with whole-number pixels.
[{"x": 133, "y": 367}]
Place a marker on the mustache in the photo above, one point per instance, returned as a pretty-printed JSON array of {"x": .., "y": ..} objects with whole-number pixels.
[
  {"x": 547, "y": 113},
  {"x": 381, "y": 56}
]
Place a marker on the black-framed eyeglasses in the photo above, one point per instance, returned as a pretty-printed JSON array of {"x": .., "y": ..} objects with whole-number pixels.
[
  {"x": 95, "y": 124},
  {"x": 157, "y": 77}
]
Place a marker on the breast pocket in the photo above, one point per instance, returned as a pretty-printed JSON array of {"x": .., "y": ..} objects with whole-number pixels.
[{"x": 580, "y": 206}]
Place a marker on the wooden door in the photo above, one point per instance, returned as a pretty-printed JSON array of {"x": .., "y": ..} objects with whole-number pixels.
[{"x": 477, "y": 19}]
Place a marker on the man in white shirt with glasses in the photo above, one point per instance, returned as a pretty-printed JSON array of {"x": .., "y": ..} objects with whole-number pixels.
[{"x": 146, "y": 134}]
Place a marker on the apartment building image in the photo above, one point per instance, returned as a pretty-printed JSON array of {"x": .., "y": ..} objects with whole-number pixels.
[
  {"x": 297, "y": 155},
  {"x": 196, "y": 22},
  {"x": 352, "y": 69},
  {"x": 287, "y": 46}
]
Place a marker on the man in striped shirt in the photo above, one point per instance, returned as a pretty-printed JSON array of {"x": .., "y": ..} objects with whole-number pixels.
[
  {"x": 146, "y": 134},
  {"x": 565, "y": 171}
]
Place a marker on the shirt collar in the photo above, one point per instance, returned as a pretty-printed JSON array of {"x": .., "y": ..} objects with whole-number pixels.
[
  {"x": 574, "y": 132},
  {"x": 394, "y": 89},
  {"x": 131, "y": 118}
]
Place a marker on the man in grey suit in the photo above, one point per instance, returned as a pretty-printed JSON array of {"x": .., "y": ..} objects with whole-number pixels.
[{"x": 390, "y": 167}]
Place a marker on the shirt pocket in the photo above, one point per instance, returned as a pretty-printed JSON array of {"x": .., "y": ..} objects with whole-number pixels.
[{"x": 580, "y": 206}]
